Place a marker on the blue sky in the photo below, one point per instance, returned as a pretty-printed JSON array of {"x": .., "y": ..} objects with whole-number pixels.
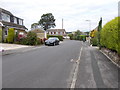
[{"x": 74, "y": 12}]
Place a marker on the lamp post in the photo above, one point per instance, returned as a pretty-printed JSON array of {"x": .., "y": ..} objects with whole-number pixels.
[{"x": 89, "y": 28}]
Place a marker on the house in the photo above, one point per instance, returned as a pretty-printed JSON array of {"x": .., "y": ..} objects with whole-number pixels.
[
  {"x": 61, "y": 32},
  {"x": 40, "y": 33},
  {"x": 8, "y": 20}
]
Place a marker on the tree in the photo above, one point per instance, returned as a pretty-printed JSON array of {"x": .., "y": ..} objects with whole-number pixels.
[
  {"x": 47, "y": 21},
  {"x": 77, "y": 35},
  {"x": 99, "y": 29},
  {"x": 34, "y": 25}
]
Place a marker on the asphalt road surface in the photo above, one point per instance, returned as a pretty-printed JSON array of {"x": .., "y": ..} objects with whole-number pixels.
[{"x": 54, "y": 67}]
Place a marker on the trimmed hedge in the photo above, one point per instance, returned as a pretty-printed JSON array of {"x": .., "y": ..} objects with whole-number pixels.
[
  {"x": 11, "y": 35},
  {"x": 58, "y": 36},
  {"x": 109, "y": 35}
]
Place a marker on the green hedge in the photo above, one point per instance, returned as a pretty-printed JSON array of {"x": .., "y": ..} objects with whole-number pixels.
[
  {"x": 109, "y": 35},
  {"x": 58, "y": 36},
  {"x": 11, "y": 35},
  {"x": 82, "y": 37}
]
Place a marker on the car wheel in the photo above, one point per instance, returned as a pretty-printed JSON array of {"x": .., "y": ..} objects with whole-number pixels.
[{"x": 53, "y": 44}]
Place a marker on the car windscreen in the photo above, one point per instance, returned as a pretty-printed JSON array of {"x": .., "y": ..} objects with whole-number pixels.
[{"x": 51, "y": 39}]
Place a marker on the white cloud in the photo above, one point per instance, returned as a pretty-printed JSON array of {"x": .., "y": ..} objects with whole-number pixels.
[{"x": 74, "y": 12}]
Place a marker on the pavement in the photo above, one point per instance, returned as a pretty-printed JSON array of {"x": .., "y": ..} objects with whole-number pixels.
[
  {"x": 95, "y": 70},
  {"x": 72, "y": 64},
  {"x": 14, "y": 48}
]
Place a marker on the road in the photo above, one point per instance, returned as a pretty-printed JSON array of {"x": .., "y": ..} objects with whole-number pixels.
[{"x": 54, "y": 67}]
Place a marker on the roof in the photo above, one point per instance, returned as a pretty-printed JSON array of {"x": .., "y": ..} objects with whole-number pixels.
[
  {"x": 5, "y": 11},
  {"x": 56, "y": 30},
  {"x": 8, "y": 12},
  {"x": 17, "y": 26},
  {"x": 38, "y": 30}
]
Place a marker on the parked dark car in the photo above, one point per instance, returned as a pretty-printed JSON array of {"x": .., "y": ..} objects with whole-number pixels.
[{"x": 52, "y": 41}]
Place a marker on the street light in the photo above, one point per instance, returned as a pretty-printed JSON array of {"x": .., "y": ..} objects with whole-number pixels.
[{"x": 89, "y": 28}]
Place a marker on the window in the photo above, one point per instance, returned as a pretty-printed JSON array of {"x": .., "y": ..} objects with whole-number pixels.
[
  {"x": 59, "y": 33},
  {"x": 51, "y": 33},
  {"x": 20, "y": 22},
  {"x": 5, "y": 17},
  {"x": 21, "y": 33},
  {"x": 54, "y": 32},
  {"x": 15, "y": 20}
]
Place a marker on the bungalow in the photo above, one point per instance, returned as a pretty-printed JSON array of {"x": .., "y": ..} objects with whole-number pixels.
[
  {"x": 57, "y": 32},
  {"x": 40, "y": 33},
  {"x": 8, "y": 20}
]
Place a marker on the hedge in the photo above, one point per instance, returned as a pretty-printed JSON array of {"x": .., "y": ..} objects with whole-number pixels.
[
  {"x": 82, "y": 37},
  {"x": 109, "y": 35},
  {"x": 11, "y": 35},
  {"x": 58, "y": 36},
  {"x": 94, "y": 40}
]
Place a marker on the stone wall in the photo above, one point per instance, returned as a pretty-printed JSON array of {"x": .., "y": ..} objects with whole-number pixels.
[{"x": 113, "y": 55}]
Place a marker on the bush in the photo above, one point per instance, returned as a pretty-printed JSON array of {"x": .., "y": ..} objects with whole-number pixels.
[
  {"x": 71, "y": 36},
  {"x": 94, "y": 40},
  {"x": 109, "y": 35},
  {"x": 58, "y": 36},
  {"x": 82, "y": 37},
  {"x": 31, "y": 39},
  {"x": 11, "y": 35}
]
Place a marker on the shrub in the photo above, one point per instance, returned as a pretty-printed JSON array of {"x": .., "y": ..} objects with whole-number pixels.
[
  {"x": 82, "y": 37},
  {"x": 109, "y": 35},
  {"x": 71, "y": 36},
  {"x": 38, "y": 41},
  {"x": 31, "y": 39},
  {"x": 58, "y": 36},
  {"x": 94, "y": 40},
  {"x": 11, "y": 35}
]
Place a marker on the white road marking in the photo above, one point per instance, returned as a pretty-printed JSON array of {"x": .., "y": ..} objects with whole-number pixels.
[
  {"x": 76, "y": 71},
  {"x": 71, "y": 60}
]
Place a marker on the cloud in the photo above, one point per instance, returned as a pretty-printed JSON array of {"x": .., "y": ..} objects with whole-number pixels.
[{"x": 74, "y": 12}]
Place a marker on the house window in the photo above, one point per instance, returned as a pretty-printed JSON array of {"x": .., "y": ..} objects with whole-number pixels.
[
  {"x": 20, "y": 22},
  {"x": 51, "y": 33},
  {"x": 59, "y": 33},
  {"x": 21, "y": 33},
  {"x": 5, "y": 17},
  {"x": 54, "y": 32},
  {"x": 15, "y": 20}
]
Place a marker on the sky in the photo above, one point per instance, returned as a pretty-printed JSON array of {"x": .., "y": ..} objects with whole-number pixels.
[{"x": 73, "y": 12}]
